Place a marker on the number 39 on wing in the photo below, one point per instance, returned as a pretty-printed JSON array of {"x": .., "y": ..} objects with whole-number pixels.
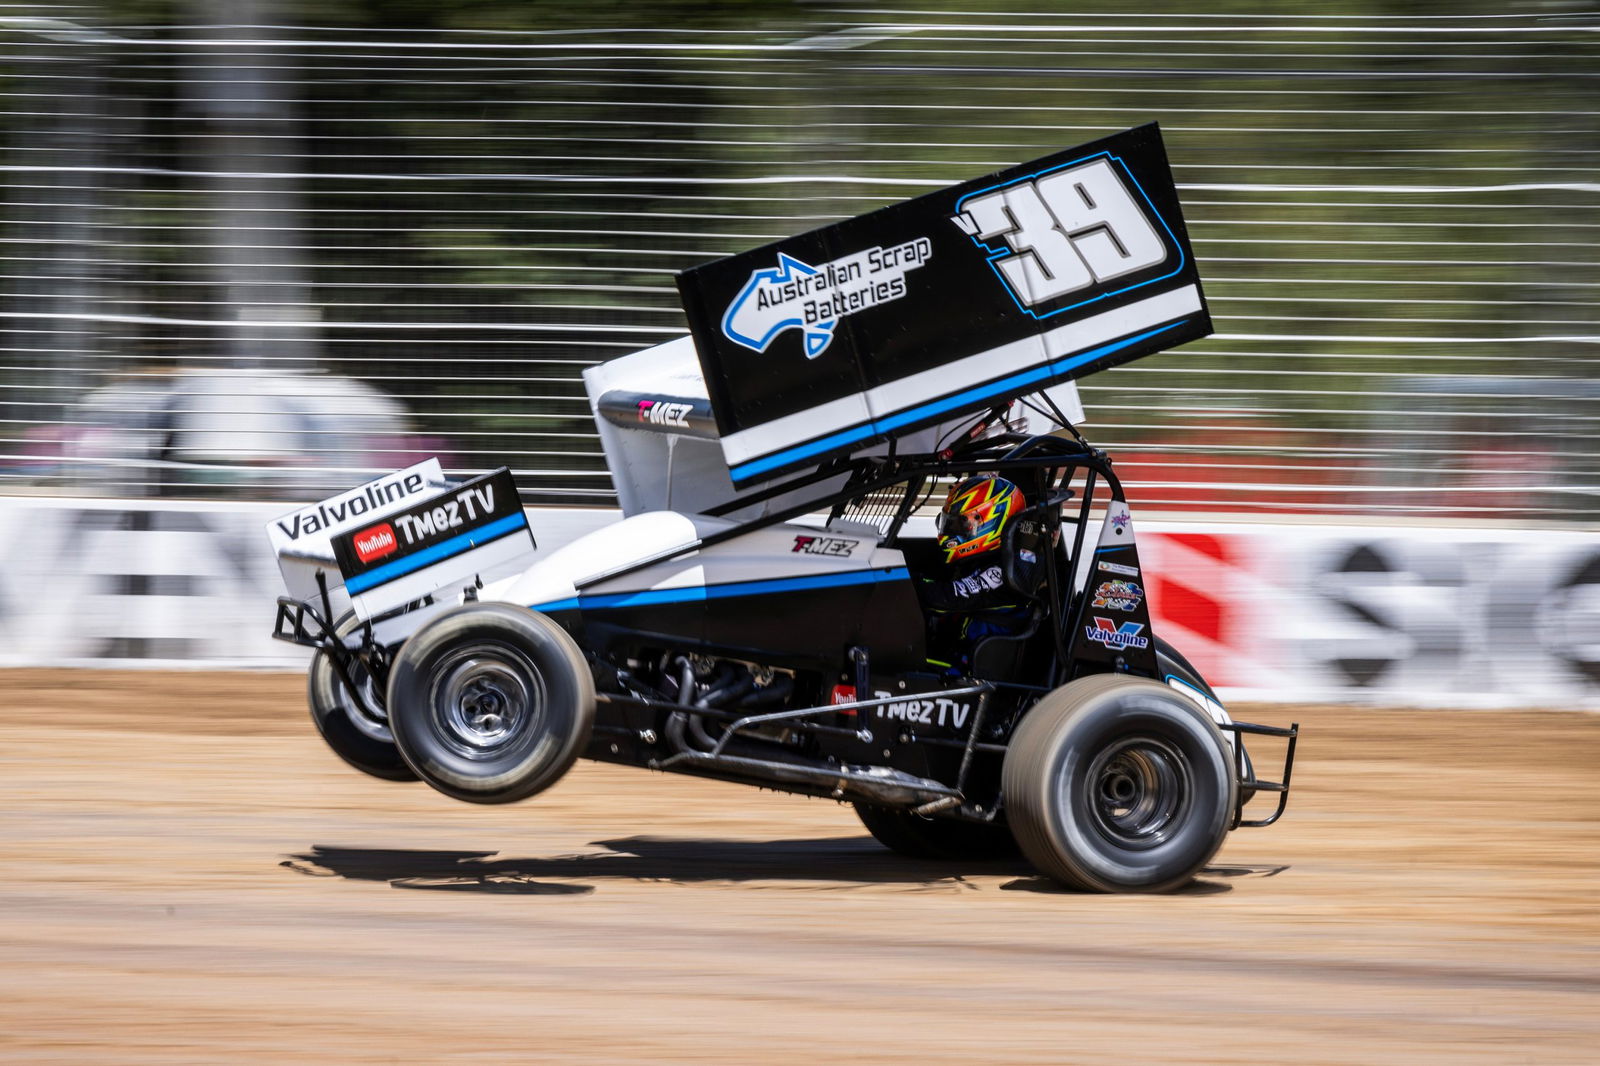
[{"x": 1065, "y": 231}]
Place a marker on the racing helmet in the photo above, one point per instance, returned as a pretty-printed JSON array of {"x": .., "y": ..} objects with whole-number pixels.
[{"x": 975, "y": 514}]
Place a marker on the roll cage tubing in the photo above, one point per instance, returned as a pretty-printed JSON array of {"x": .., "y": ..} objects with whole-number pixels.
[{"x": 1007, "y": 453}]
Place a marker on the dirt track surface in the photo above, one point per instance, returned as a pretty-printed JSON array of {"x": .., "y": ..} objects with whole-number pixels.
[{"x": 190, "y": 877}]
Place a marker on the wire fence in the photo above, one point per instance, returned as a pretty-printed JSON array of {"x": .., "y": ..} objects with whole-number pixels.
[{"x": 267, "y": 258}]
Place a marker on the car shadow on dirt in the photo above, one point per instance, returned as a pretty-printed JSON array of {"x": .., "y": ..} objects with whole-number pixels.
[
  {"x": 1210, "y": 881},
  {"x": 839, "y": 861}
]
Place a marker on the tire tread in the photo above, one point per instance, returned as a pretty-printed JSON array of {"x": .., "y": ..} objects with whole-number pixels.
[
  {"x": 1025, "y": 783},
  {"x": 409, "y": 672}
]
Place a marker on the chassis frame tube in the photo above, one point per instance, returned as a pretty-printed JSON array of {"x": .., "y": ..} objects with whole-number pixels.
[{"x": 892, "y": 788}]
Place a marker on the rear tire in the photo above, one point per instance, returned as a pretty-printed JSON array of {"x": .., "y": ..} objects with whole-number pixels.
[
  {"x": 490, "y": 703},
  {"x": 1118, "y": 784},
  {"x": 936, "y": 838},
  {"x": 357, "y": 729}
]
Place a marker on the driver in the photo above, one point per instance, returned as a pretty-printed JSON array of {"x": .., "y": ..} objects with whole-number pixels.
[{"x": 971, "y": 599}]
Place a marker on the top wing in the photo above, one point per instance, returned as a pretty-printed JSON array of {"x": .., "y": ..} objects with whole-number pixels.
[{"x": 874, "y": 327}]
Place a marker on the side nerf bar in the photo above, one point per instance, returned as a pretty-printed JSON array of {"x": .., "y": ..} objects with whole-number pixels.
[{"x": 1292, "y": 734}]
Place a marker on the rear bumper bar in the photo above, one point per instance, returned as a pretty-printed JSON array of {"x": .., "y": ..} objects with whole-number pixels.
[{"x": 298, "y": 622}]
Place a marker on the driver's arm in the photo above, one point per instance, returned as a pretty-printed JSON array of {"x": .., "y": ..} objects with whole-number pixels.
[{"x": 981, "y": 590}]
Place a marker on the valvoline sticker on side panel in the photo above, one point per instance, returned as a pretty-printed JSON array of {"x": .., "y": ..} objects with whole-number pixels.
[{"x": 427, "y": 534}]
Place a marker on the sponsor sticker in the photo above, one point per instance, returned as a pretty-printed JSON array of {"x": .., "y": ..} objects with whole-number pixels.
[
  {"x": 812, "y": 299},
  {"x": 687, "y": 415},
  {"x": 835, "y": 546},
  {"x": 375, "y": 542},
  {"x": 1111, "y": 634},
  {"x": 339, "y": 513},
  {"x": 1117, "y": 595},
  {"x": 452, "y": 523},
  {"x": 1118, "y": 568},
  {"x": 925, "y": 710},
  {"x": 664, "y": 412}
]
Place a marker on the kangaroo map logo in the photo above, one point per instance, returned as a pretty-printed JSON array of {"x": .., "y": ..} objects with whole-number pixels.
[
  {"x": 812, "y": 299},
  {"x": 1066, "y": 231}
]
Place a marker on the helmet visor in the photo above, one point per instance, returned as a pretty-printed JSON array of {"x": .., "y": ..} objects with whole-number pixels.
[{"x": 955, "y": 526}]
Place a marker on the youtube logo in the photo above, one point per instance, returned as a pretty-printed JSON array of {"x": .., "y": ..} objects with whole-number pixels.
[{"x": 375, "y": 542}]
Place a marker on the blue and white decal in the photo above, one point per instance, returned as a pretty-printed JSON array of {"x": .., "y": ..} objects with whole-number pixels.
[
  {"x": 812, "y": 299},
  {"x": 451, "y": 538},
  {"x": 1011, "y": 385},
  {"x": 706, "y": 593}
]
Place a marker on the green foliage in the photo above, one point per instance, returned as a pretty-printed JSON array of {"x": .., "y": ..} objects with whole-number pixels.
[{"x": 556, "y": 190}]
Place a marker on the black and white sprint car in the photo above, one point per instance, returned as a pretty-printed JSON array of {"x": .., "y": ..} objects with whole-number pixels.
[{"x": 753, "y": 616}]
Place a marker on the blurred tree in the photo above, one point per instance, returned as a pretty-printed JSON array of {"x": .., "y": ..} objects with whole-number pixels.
[{"x": 499, "y": 191}]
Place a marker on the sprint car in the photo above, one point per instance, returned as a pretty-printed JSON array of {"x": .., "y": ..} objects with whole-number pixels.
[{"x": 752, "y": 614}]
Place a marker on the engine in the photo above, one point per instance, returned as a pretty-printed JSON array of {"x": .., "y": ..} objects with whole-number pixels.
[{"x": 715, "y": 692}]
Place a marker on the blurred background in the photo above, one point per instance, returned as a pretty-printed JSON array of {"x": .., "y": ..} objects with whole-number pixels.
[{"x": 265, "y": 249}]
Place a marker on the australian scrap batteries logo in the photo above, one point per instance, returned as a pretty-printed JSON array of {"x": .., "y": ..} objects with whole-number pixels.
[{"x": 812, "y": 299}]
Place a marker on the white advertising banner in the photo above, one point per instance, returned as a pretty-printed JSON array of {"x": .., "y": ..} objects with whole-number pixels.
[
  {"x": 179, "y": 585},
  {"x": 1432, "y": 616},
  {"x": 1475, "y": 616}
]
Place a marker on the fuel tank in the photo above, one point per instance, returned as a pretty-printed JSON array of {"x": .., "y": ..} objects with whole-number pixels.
[{"x": 787, "y": 595}]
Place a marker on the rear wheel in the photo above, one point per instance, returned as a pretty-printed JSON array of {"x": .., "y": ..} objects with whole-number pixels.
[
  {"x": 1118, "y": 784},
  {"x": 355, "y": 726},
  {"x": 490, "y": 703},
  {"x": 936, "y": 838}
]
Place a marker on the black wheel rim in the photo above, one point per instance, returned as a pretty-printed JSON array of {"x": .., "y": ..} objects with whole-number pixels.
[
  {"x": 1138, "y": 792},
  {"x": 488, "y": 700}
]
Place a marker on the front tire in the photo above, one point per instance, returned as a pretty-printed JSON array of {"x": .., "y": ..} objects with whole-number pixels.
[
  {"x": 936, "y": 838},
  {"x": 490, "y": 703},
  {"x": 1118, "y": 784}
]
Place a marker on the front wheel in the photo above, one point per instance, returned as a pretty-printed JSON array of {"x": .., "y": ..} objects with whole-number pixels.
[
  {"x": 1118, "y": 784},
  {"x": 490, "y": 703}
]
